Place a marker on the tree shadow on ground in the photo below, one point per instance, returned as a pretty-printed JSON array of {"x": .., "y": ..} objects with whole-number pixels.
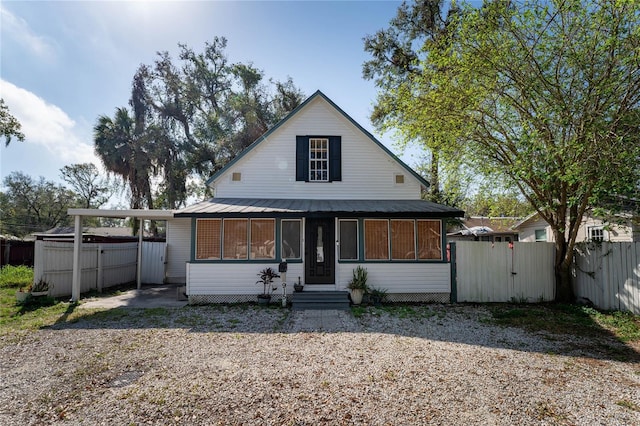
[{"x": 549, "y": 329}]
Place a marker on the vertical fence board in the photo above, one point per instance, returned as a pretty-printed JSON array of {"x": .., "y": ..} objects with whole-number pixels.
[
  {"x": 497, "y": 273},
  {"x": 54, "y": 264},
  {"x": 608, "y": 274}
]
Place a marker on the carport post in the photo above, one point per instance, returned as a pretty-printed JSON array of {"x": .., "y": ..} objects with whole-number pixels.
[
  {"x": 77, "y": 260},
  {"x": 139, "y": 267}
]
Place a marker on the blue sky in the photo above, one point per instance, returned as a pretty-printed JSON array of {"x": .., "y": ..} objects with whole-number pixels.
[{"x": 64, "y": 63}]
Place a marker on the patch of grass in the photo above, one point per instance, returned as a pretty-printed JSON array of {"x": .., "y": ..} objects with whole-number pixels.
[
  {"x": 16, "y": 277},
  {"x": 628, "y": 405},
  {"x": 568, "y": 319}
]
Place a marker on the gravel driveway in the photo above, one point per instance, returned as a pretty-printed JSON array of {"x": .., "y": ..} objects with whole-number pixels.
[{"x": 244, "y": 365}]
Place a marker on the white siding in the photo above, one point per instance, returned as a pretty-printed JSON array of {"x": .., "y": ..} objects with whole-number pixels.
[
  {"x": 496, "y": 273},
  {"x": 401, "y": 277},
  {"x": 527, "y": 231},
  {"x": 178, "y": 249},
  {"x": 234, "y": 278},
  {"x": 613, "y": 232},
  {"x": 269, "y": 169},
  {"x": 229, "y": 278}
]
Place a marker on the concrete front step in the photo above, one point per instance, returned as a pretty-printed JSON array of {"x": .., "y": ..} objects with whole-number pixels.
[{"x": 320, "y": 300}]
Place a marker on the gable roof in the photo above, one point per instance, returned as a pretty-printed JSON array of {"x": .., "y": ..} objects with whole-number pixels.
[{"x": 317, "y": 94}]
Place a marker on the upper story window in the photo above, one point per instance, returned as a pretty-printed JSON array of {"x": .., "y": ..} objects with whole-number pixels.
[{"x": 318, "y": 160}]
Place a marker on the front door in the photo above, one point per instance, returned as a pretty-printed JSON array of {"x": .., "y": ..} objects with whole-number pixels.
[{"x": 319, "y": 251}]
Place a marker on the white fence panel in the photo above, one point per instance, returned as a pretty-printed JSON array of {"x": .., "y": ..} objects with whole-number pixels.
[
  {"x": 608, "y": 274},
  {"x": 497, "y": 272},
  {"x": 103, "y": 265},
  {"x": 153, "y": 262}
]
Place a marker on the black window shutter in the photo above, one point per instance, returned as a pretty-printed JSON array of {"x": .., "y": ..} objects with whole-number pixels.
[
  {"x": 302, "y": 158},
  {"x": 335, "y": 158}
]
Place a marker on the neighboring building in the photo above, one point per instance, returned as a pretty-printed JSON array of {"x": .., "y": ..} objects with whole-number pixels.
[
  {"x": 480, "y": 228},
  {"x": 534, "y": 228},
  {"x": 320, "y": 192},
  {"x": 91, "y": 234}
]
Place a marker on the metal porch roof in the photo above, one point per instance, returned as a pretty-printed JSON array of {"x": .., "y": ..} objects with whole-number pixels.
[{"x": 219, "y": 207}]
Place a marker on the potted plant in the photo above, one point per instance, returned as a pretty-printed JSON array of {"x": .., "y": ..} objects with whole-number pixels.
[
  {"x": 358, "y": 285},
  {"x": 298, "y": 286},
  {"x": 266, "y": 279},
  {"x": 377, "y": 295},
  {"x": 41, "y": 288},
  {"x": 22, "y": 296}
]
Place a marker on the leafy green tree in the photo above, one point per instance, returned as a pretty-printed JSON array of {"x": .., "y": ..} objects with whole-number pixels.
[
  {"x": 9, "y": 126},
  {"x": 93, "y": 190},
  {"x": 192, "y": 116},
  {"x": 545, "y": 93},
  {"x": 396, "y": 56},
  {"x": 28, "y": 205}
]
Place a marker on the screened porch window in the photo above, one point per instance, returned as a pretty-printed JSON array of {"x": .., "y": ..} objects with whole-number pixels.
[
  {"x": 348, "y": 239},
  {"x": 208, "y": 238},
  {"x": 403, "y": 241},
  {"x": 263, "y": 236},
  {"x": 291, "y": 232},
  {"x": 376, "y": 239},
  {"x": 429, "y": 240},
  {"x": 235, "y": 238}
]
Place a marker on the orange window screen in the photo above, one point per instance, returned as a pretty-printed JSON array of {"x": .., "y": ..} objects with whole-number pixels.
[
  {"x": 263, "y": 235},
  {"x": 235, "y": 239},
  {"x": 402, "y": 239},
  {"x": 376, "y": 239},
  {"x": 429, "y": 239},
  {"x": 208, "y": 239}
]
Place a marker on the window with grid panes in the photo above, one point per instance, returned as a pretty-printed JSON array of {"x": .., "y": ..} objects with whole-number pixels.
[
  {"x": 263, "y": 236},
  {"x": 429, "y": 240},
  {"x": 319, "y": 160},
  {"x": 376, "y": 239},
  {"x": 235, "y": 239},
  {"x": 208, "y": 238},
  {"x": 403, "y": 241}
]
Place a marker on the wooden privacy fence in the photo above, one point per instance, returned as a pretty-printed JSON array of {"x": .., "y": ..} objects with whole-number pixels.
[
  {"x": 103, "y": 265},
  {"x": 608, "y": 274},
  {"x": 501, "y": 272}
]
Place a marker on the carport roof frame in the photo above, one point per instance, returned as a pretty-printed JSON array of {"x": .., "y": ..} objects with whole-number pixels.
[{"x": 139, "y": 214}]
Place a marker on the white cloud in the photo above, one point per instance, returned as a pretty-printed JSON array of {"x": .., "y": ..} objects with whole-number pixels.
[
  {"x": 47, "y": 125},
  {"x": 19, "y": 30}
]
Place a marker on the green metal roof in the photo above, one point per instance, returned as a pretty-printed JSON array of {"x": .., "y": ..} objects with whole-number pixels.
[{"x": 252, "y": 207}]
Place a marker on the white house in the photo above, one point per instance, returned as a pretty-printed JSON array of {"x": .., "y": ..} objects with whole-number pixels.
[
  {"x": 534, "y": 228},
  {"x": 321, "y": 193}
]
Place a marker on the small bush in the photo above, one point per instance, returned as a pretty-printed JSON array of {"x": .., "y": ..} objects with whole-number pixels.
[{"x": 16, "y": 276}]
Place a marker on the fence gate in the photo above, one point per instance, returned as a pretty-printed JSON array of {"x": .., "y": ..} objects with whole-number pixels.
[
  {"x": 153, "y": 262},
  {"x": 503, "y": 272}
]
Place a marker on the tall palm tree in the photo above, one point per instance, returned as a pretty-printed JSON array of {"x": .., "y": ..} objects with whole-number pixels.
[{"x": 123, "y": 152}]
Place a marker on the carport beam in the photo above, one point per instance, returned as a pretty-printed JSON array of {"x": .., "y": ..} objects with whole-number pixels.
[
  {"x": 77, "y": 260},
  {"x": 139, "y": 266}
]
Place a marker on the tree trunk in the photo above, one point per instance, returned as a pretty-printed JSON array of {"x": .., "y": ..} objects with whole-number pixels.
[
  {"x": 434, "y": 180},
  {"x": 564, "y": 285}
]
